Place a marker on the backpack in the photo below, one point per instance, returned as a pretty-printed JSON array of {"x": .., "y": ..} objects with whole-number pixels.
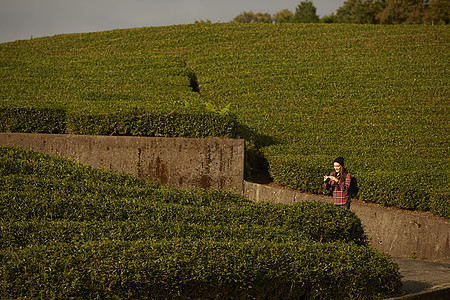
[{"x": 354, "y": 189}]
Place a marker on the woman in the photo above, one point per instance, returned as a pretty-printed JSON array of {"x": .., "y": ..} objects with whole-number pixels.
[{"x": 339, "y": 182}]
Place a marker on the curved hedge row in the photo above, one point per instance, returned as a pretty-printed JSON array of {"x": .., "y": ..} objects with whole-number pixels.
[
  {"x": 195, "y": 269},
  {"x": 73, "y": 231},
  {"x": 39, "y": 190}
]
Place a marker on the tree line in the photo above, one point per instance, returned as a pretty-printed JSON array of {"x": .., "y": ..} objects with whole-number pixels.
[{"x": 360, "y": 12}]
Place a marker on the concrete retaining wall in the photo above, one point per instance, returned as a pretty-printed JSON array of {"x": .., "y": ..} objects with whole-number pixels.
[
  {"x": 398, "y": 233},
  {"x": 179, "y": 162}
]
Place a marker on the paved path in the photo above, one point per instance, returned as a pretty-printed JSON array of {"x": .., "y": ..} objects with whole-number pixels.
[{"x": 424, "y": 279}]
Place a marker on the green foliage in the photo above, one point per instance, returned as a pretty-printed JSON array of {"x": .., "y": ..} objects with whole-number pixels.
[
  {"x": 39, "y": 120},
  {"x": 301, "y": 94},
  {"x": 251, "y": 17},
  {"x": 199, "y": 123},
  {"x": 197, "y": 269},
  {"x": 63, "y": 90},
  {"x": 360, "y": 11},
  {"x": 70, "y": 231},
  {"x": 166, "y": 124},
  {"x": 284, "y": 16},
  {"x": 429, "y": 12}
]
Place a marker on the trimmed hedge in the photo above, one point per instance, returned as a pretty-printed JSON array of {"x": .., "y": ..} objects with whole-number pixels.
[
  {"x": 160, "y": 124},
  {"x": 33, "y": 119},
  {"x": 136, "y": 123},
  {"x": 73, "y": 231},
  {"x": 195, "y": 269}
]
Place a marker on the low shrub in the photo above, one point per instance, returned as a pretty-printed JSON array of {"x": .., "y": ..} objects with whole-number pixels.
[
  {"x": 192, "y": 269},
  {"x": 32, "y": 119},
  {"x": 159, "y": 124}
]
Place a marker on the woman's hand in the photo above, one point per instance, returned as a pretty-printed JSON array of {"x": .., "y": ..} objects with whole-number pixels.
[
  {"x": 334, "y": 178},
  {"x": 330, "y": 178}
]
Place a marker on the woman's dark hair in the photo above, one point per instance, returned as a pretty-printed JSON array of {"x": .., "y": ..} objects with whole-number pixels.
[{"x": 343, "y": 173}]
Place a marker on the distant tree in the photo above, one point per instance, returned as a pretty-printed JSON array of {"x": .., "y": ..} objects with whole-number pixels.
[
  {"x": 392, "y": 14},
  {"x": 346, "y": 11},
  {"x": 414, "y": 12},
  {"x": 330, "y": 19},
  {"x": 360, "y": 11},
  {"x": 244, "y": 17},
  {"x": 263, "y": 18},
  {"x": 207, "y": 21},
  {"x": 402, "y": 12},
  {"x": 284, "y": 16},
  {"x": 251, "y": 17},
  {"x": 306, "y": 13},
  {"x": 437, "y": 12}
]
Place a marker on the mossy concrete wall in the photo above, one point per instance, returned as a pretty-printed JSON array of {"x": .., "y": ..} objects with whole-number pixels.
[{"x": 214, "y": 163}]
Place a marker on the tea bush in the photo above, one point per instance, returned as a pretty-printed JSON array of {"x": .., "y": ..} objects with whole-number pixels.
[
  {"x": 196, "y": 269},
  {"x": 39, "y": 120},
  {"x": 74, "y": 231},
  {"x": 302, "y": 95}
]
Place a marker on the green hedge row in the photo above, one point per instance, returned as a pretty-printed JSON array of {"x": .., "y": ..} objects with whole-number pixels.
[
  {"x": 196, "y": 269},
  {"x": 166, "y": 124},
  {"x": 132, "y": 222},
  {"x": 186, "y": 123},
  {"x": 73, "y": 231},
  {"x": 38, "y": 120}
]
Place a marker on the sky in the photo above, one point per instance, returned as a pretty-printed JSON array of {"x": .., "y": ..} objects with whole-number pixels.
[{"x": 25, "y": 19}]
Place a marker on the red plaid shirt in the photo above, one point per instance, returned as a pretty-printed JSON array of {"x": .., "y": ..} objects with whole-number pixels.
[{"x": 340, "y": 189}]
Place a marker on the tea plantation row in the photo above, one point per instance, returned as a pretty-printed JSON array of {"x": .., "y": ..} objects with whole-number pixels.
[
  {"x": 75, "y": 88},
  {"x": 69, "y": 231},
  {"x": 302, "y": 95}
]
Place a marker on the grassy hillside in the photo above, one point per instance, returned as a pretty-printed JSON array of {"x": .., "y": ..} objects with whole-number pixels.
[
  {"x": 69, "y": 231},
  {"x": 302, "y": 94}
]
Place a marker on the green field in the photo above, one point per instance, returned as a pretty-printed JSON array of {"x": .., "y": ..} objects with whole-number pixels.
[{"x": 301, "y": 94}]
